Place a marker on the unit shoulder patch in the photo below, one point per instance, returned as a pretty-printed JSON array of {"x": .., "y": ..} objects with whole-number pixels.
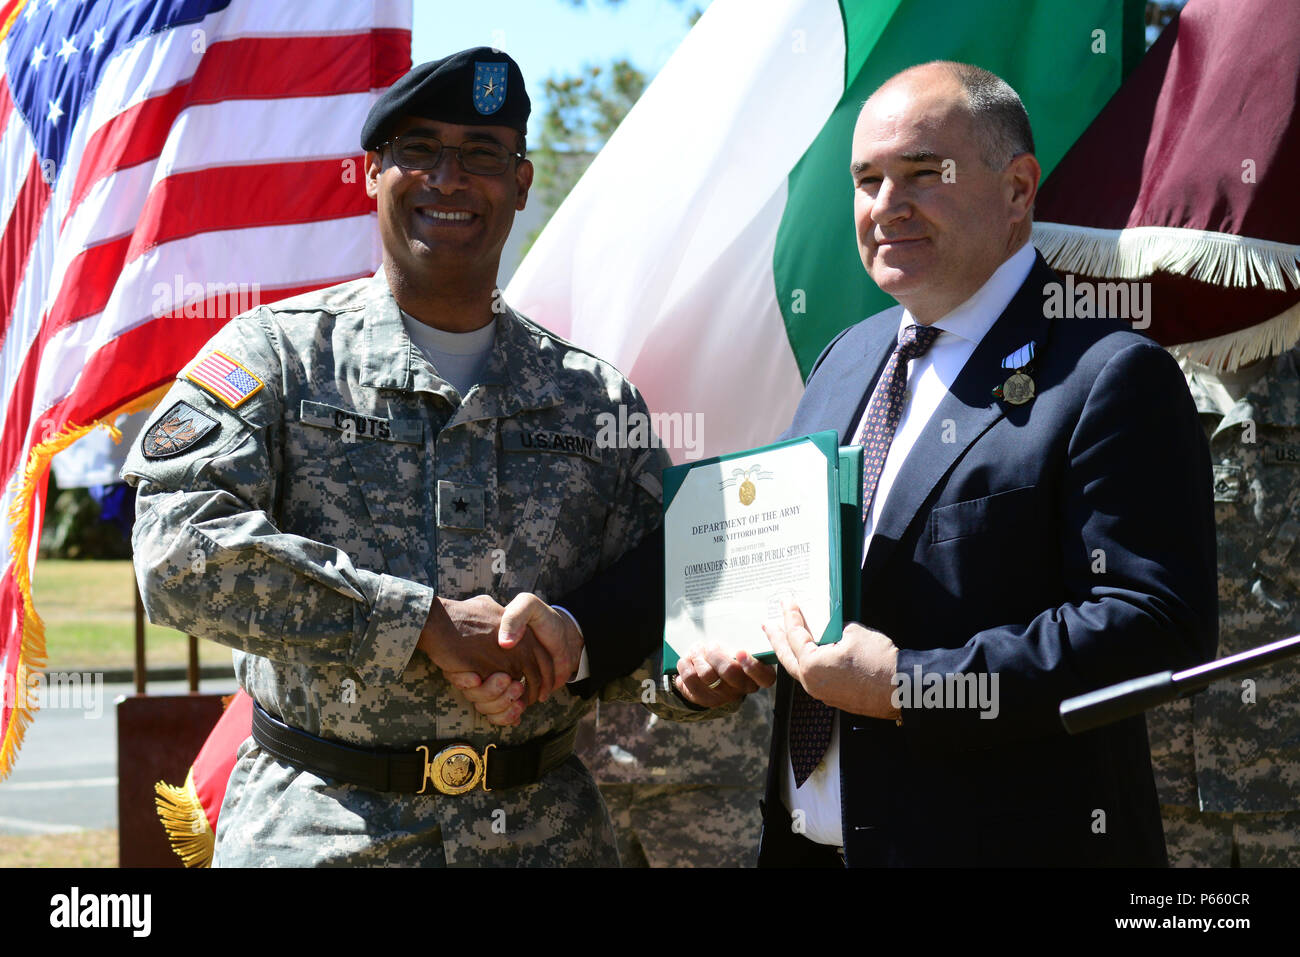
[{"x": 181, "y": 428}]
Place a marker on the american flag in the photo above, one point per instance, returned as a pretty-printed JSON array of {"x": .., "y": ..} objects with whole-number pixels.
[
  {"x": 159, "y": 161},
  {"x": 231, "y": 382}
]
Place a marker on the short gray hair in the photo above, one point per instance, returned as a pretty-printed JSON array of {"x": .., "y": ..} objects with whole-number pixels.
[{"x": 999, "y": 115}]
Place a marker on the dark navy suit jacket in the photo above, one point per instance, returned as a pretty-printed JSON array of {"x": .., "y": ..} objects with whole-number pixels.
[{"x": 1064, "y": 545}]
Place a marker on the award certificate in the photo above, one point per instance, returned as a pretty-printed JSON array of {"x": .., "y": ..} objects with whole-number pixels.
[{"x": 744, "y": 531}]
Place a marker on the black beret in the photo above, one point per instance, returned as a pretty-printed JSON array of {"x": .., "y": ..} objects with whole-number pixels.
[{"x": 477, "y": 87}]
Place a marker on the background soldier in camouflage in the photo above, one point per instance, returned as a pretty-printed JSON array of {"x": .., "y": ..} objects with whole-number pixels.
[
  {"x": 315, "y": 494},
  {"x": 1227, "y": 760},
  {"x": 681, "y": 795}
]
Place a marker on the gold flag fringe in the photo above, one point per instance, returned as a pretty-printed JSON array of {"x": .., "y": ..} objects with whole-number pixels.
[
  {"x": 31, "y": 649},
  {"x": 1135, "y": 253},
  {"x": 181, "y": 810},
  {"x": 13, "y": 15},
  {"x": 187, "y": 826},
  {"x": 1229, "y": 352}
]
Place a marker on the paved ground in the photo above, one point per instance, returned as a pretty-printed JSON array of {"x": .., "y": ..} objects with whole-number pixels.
[{"x": 66, "y": 776}]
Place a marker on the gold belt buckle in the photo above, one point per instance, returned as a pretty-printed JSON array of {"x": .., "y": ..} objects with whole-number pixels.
[{"x": 455, "y": 769}]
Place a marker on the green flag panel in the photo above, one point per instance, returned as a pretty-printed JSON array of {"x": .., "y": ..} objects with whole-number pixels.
[{"x": 1064, "y": 59}]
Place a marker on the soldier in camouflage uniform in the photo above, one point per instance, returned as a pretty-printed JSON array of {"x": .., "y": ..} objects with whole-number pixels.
[
  {"x": 314, "y": 494},
  {"x": 1227, "y": 760},
  {"x": 681, "y": 795}
]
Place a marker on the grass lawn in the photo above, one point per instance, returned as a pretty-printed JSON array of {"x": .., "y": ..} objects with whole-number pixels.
[
  {"x": 88, "y": 609},
  {"x": 83, "y": 849}
]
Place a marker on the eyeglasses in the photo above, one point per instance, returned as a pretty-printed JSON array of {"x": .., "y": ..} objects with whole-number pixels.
[{"x": 484, "y": 158}]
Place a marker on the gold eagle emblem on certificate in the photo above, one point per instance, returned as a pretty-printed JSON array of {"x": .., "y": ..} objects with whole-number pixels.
[
  {"x": 747, "y": 479},
  {"x": 747, "y": 492}
]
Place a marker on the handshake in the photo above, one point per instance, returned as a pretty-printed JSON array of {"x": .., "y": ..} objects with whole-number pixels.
[{"x": 506, "y": 658}]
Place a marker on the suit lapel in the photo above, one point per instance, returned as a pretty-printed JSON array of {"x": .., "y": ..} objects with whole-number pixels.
[
  {"x": 971, "y": 407},
  {"x": 844, "y": 407}
]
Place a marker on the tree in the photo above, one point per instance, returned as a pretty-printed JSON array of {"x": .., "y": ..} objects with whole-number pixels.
[
  {"x": 1158, "y": 15},
  {"x": 581, "y": 113}
]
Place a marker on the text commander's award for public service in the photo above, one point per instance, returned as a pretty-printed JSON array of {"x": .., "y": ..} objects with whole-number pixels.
[{"x": 746, "y": 530}]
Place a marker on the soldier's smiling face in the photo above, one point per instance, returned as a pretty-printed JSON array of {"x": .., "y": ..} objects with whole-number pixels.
[{"x": 446, "y": 220}]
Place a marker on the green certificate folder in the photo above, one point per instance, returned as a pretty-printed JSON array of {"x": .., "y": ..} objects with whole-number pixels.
[
  {"x": 745, "y": 530},
  {"x": 851, "y": 532}
]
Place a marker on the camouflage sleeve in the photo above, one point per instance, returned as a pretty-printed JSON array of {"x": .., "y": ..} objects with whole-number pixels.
[{"x": 209, "y": 557}]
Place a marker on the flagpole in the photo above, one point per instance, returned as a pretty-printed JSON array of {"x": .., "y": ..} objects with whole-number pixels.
[
  {"x": 1128, "y": 698},
  {"x": 139, "y": 639}
]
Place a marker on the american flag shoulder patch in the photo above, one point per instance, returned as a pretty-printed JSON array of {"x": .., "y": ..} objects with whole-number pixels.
[{"x": 225, "y": 378}]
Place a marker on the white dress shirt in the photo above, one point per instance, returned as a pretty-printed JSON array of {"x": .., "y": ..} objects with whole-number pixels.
[{"x": 928, "y": 380}]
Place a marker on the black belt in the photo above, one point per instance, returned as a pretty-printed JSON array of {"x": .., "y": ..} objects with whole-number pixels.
[{"x": 448, "y": 767}]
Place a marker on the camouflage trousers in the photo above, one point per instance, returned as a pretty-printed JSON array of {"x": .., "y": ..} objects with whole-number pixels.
[
  {"x": 1213, "y": 839},
  {"x": 671, "y": 825}
]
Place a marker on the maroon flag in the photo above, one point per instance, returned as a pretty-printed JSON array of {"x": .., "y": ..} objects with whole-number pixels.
[{"x": 1185, "y": 181}]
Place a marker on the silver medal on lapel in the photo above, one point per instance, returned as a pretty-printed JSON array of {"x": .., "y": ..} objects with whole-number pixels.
[{"x": 1019, "y": 387}]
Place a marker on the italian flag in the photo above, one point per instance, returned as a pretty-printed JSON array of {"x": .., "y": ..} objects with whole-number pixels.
[{"x": 709, "y": 251}]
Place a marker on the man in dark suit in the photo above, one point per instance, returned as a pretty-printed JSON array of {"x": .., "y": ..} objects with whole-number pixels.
[
  {"x": 1019, "y": 549},
  {"x": 1039, "y": 524}
]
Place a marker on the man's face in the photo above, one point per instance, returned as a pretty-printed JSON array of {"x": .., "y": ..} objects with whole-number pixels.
[
  {"x": 933, "y": 221},
  {"x": 445, "y": 218}
]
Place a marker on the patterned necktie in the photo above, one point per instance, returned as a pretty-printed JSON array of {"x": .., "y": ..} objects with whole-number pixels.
[
  {"x": 811, "y": 720},
  {"x": 886, "y": 408}
]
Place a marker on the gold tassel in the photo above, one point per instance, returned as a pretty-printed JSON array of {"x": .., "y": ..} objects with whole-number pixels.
[
  {"x": 184, "y": 819},
  {"x": 187, "y": 826},
  {"x": 31, "y": 650},
  {"x": 13, "y": 15}
]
